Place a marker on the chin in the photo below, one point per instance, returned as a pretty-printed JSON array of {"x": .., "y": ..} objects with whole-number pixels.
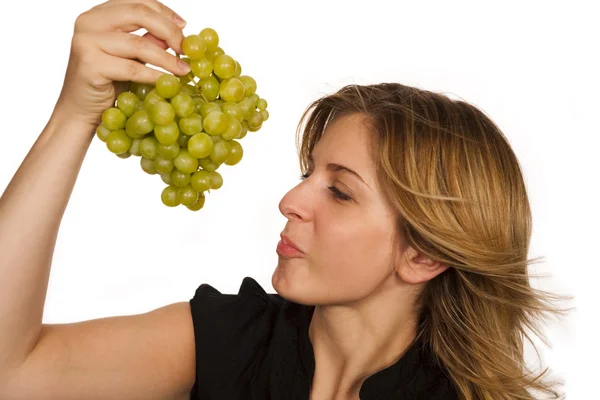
[{"x": 292, "y": 282}]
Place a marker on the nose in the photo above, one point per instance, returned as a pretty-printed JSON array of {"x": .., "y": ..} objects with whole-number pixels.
[{"x": 295, "y": 204}]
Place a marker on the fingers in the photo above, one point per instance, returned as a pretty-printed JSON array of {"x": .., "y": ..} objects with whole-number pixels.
[
  {"x": 156, "y": 41},
  {"x": 125, "y": 45},
  {"x": 129, "y": 17},
  {"x": 124, "y": 70},
  {"x": 154, "y": 5}
]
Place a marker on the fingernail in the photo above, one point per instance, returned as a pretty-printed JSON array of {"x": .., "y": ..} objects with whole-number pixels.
[
  {"x": 184, "y": 66},
  {"x": 180, "y": 22}
]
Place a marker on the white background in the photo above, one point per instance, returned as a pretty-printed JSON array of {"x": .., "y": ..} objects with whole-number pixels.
[{"x": 531, "y": 66}]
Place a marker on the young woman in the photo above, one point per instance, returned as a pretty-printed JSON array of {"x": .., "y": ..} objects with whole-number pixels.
[{"x": 402, "y": 268}]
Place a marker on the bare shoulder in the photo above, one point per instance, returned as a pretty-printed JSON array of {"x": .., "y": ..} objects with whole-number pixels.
[{"x": 145, "y": 356}]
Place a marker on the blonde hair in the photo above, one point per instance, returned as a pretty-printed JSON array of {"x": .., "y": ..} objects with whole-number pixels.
[{"x": 461, "y": 200}]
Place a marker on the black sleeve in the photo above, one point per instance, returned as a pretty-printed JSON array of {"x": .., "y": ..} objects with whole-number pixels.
[{"x": 231, "y": 335}]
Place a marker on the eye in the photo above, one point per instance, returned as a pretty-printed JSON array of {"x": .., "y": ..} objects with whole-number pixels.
[{"x": 339, "y": 195}]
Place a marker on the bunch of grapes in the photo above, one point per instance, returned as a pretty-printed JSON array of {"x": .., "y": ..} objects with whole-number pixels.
[{"x": 184, "y": 128}]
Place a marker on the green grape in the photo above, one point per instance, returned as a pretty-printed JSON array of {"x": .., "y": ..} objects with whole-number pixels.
[
  {"x": 149, "y": 147},
  {"x": 220, "y": 152},
  {"x": 199, "y": 203},
  {"x": 162, "y": 113},
  {"x": 167, "y": 134},
  {"x": 124, "y": 155},
  {"x": 170, "y": 196},
  {"x": 188, "y": 89},
  {"x": 185, "y": 162},
  {"x": 255, "y": 120},
  {"x": 148, "y": 166},
  {"x": 140, "y": 106},
  {"x": 191, "y": 124},
  {"x": 130, "y": 129},
  {"x": 202, "y": 68},
  {"x": 200, "y": 181},
  {"x": 261, "y": 104},
  {"x": 234, "y": 128},
  {"x": 199, "y": 101},
  {"x": 254, "y": 128},
  {"x": 167, "y": 85},
  {"x": 249, "y": 84},
  {"x": 233, "y": 110},
  {"x": 209, "y": 88},
  {"x": 211, "y": 38},
  {"x": 166, "y": 178},
  {"x": 236, "y": 153},
  {"x": 211, "y": 55},
  {"x": 264, "y": 114},
  {"x": 231, "y": 89},
  {"x": 168, "y": 152},
  {"x": 183, "y": 140},
  {"x": 207, "y": 164},
  {"x": 254, "y": 98},
  {"x": 215, "y": 123},
  {"x": 152, "y": 98},
  {"x": 118, "y": 142},
  {"x": 247, "y": 106},
  {"x": 114, "y": 119},
  {"x": 207, "y": 108},
  {"x": 127, "y": 103},
  {"x": 163, "y": 166},
  {"x": 200, "y": 145},
  {"x": 215, "y": 139},
  {"x": 224, "y": 66},
  {"x": 142, "y": 122},
  {"x": 219, "y": 102},
  {"x": 187, "y": 195},
  {"x": 238, "y": 70},
  {"x": 183, "y": 104},
  {"x": 102, "y": 132},
  {"x": 141, "y": 90},
  {"x": 135, "y": 147},
  {"x": 244, "y": 130},
  {"x": 216, "y": 180},
  {"x": 193, "y": 46},
  {"x": 179, "y": 178}
]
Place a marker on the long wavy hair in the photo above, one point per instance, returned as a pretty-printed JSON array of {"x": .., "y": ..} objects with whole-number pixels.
[{"x": 461, "y": 200}]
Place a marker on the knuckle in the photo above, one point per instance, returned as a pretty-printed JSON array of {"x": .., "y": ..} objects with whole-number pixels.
[
  {"x": 134, "y": 70},
  {"x": 140, "y": 9}
]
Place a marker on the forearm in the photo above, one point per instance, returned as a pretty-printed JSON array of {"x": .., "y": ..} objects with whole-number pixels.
[{"x": 31, "y": 209}]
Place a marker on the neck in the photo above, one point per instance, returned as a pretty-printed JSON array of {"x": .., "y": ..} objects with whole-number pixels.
[{"x": 354, "y": 341}]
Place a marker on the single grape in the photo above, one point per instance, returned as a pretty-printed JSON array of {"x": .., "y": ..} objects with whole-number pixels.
[
  {"x": 207, "y": 108},
  {"x": 127, "y": 154},
  {"x": 183, "y": 140},
  {"x": 170, "y": 196},
  {"x": 233, "y": 110},
  {"x": 199, "y": 101},
  {"x": 255, "y": 120},
  {"x": 152, "y": 98},
  {"x": 188, "y": 89},
  {"x": 169, "y": 151},
  {"x": 216, "y": 180},
  {"x": 135, "y": 147},
  {"x": 183, "y": 104},
  {"x": 167, "y": 85},
  {"x": 162, "y": 113},
  {"x": 102, "y": 132},
  {"x": 231, "y": 89},
  {"x": 220, "y": 152},
  {"x": 202, "y": 68},
  {"x": 209, "y": 88},
  {"x": 244, "y": 130},
  {"x": 236, "y": 153},
  {"x": 234, "y": 128},
  {"x": 149, "y": 147},
  {"x": 211, "y": 55},
  {"x": 118, "y": 142},
  {"x": 167, "y": 134},
  {"x": 264, "y": 114},
  {"x": 224, "y": 66},
  {"x": 238, "y": 70},
  {"x": 247, "y": 106},
  {"x": 127, "y": 103},
  {"x": 163, "y": 166},
  {"x": 254, "y": 97},
  {"x": 207, "y": 164},
  {"x": 215, "y": 123},
  {"x": 249, "y": 84},
  {"x": 114, "y": 119},
  {"x": 200, "y": 181},
  {"x": 179, "y": 178},
  {"x": 211, "y": 38},
  {"x": 187, "y": 195},
  {"x": 200, "y": 145},
  {"x": 131, "y": 130},
  {"x": 141, "y": 90},
  {"x": 148, "y": 166},
  {"x": 166, "y": 178},
  {"x": 185, "y": 162},
  {"x": 261, "y": 104},
  {"x": 199, "y": 203},
  {"x": 215, "y": 139},
  {"x": 141, "y": 122},
  {"x": 193, "y": 46},
  {"x": 191, "y": 124}
]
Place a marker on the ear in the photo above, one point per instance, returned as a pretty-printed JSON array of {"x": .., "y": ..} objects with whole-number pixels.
[{"x": 414, "y": 267}]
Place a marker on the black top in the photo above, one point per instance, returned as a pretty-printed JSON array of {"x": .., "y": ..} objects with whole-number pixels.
[{"x": 255, "y": 345}]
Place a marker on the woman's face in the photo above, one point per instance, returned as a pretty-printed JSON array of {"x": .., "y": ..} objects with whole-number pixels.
[{"x": 339, "y": 220}]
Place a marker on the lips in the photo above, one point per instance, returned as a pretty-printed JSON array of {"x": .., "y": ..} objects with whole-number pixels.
[{"x": 288, "y": 242}]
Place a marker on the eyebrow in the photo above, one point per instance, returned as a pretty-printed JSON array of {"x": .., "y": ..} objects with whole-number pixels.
[{"x": 333, "y": 167}]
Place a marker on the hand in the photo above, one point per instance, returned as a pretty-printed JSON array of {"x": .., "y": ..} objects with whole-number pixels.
[{"x": 104, "y": 53}]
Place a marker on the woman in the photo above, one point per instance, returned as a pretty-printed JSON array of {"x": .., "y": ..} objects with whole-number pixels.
[{"x": 402, "y": 269}]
